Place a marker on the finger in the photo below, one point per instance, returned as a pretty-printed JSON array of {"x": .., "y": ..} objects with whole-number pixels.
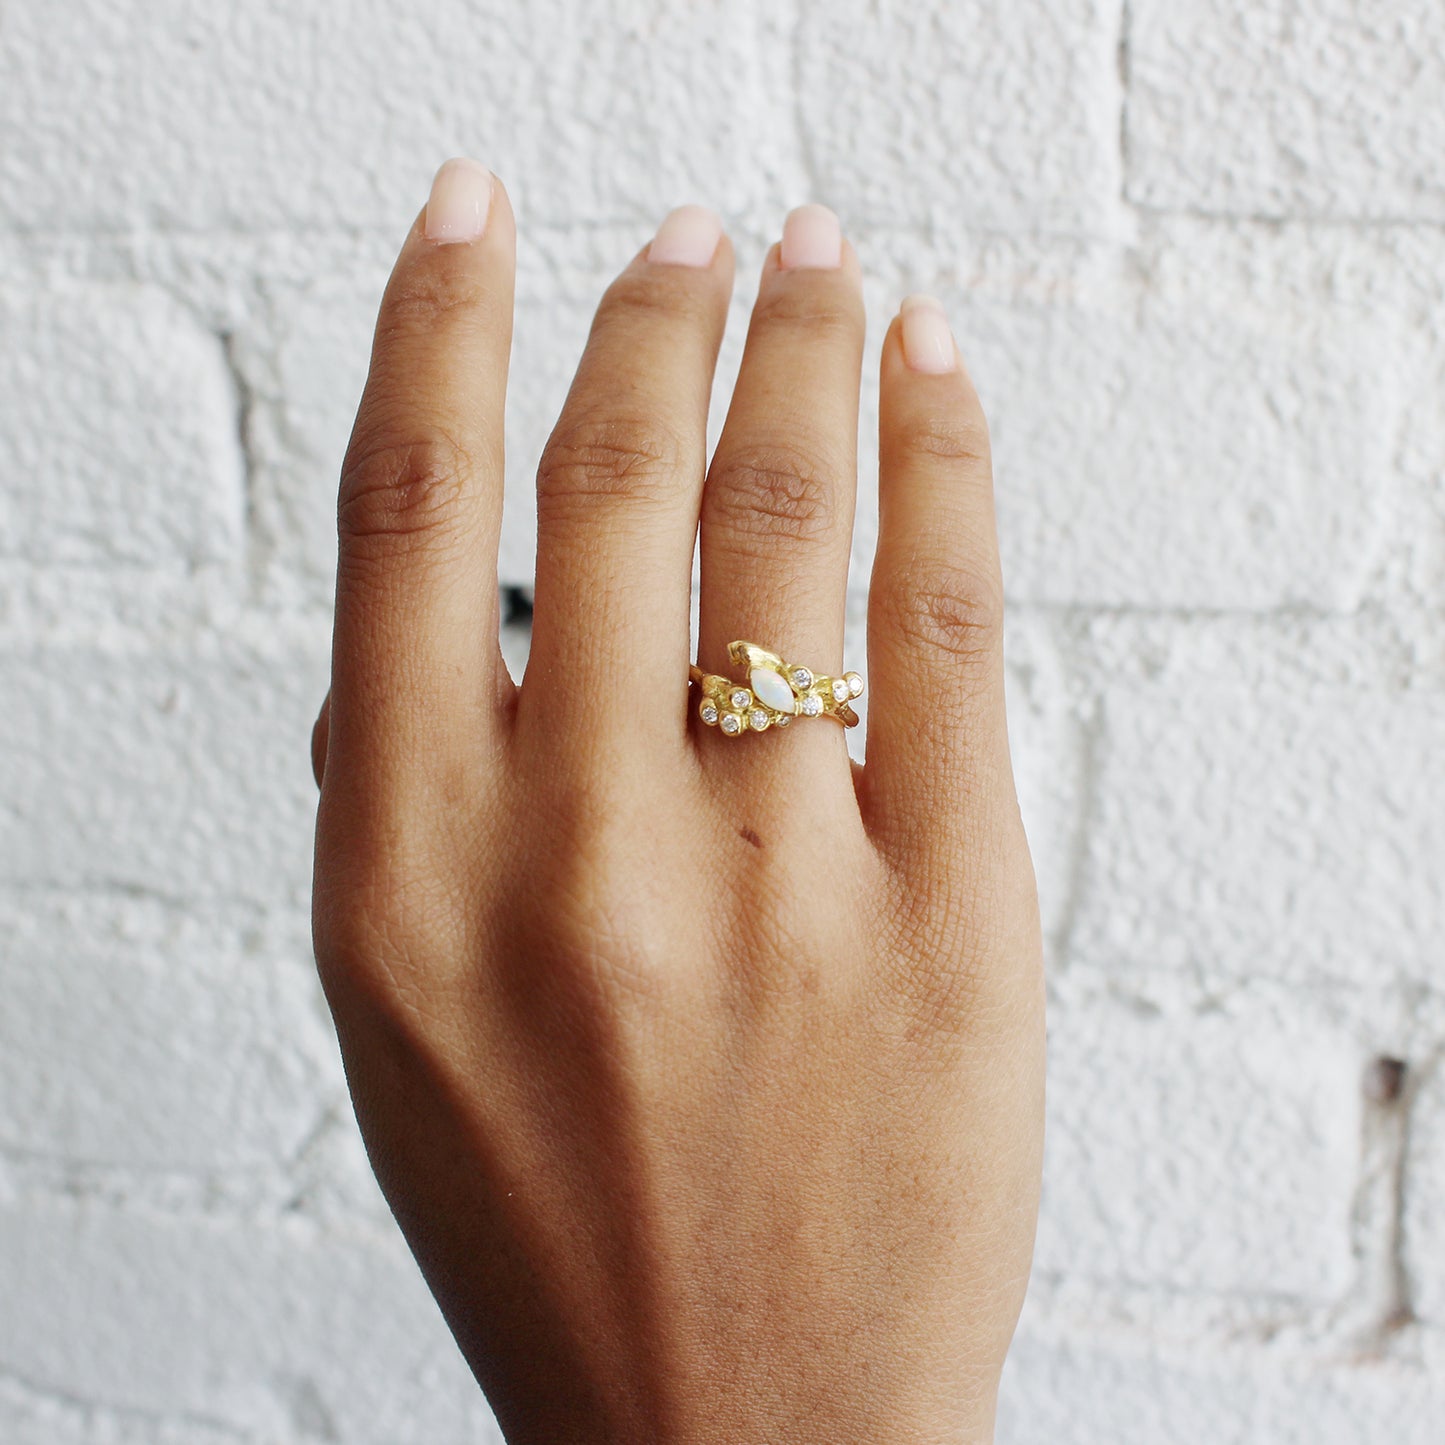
[
  {"x": 416, "y": 667},
  {"x": 619, "y": 482},
  {"x": 937, "y": 742},
  {"x": 777, "y": 510}
]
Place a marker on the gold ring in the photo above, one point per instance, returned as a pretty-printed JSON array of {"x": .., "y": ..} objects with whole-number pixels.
[{"x": 777, "y": 692}]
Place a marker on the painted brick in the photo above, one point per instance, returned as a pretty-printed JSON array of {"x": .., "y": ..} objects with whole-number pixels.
[
  {"x": 136, "y": 1037},
  {"x": 322, "y": 117},
  {"x": 1207, "y": 1154},
  {"x": 1251, "y": 826},
  {"x": 233, "y": 1323},
  {"x": 38, "y": 1417},
  {"x": 118, "y": 432},
  {"x": 1424, "y": 1196},
  {"x": 1163, "y": 460},
  {"x": 1298, "y": 107},
  {"x": 178, "y": 774},
  {"x": 1047, "y": 744},
  {"x": 1126, "y": 1393},
  {"x": 993, "y": 115}
]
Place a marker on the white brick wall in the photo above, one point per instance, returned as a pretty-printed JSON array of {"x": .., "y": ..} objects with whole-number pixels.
[
  {"x": 1319, "y": 108},
  {"x": 1195, "y": 255}
]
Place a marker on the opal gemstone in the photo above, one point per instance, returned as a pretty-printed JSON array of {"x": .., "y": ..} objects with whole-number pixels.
[{"x": 771, "y": 688}]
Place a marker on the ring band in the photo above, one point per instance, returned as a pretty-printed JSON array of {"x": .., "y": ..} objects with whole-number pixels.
[{"x": 776, "y": 693}]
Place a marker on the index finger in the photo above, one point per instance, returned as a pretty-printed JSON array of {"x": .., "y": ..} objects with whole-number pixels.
[{"x": 417, "y": 674}]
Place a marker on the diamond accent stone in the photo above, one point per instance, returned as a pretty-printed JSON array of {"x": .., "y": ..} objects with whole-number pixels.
[
  {"x": 708, "y": 712},
  {"x": 757, "y": 719},
  {"x": 802, "y": 679},
  {"x": 855, "y": 683},
  {"x": 783, "y": 720},
  {"x": 812, "y": 705},
  {"x": 741, "y": 698},
  {"x": 731, "y": 723},
  {"x": 840, "y": 689}
]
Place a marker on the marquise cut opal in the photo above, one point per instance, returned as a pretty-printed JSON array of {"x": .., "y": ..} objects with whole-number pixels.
[{"x": 771, "y": 689}]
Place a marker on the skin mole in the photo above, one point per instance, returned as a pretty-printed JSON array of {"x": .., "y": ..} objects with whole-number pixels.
[{"x": 751, "y": 836}]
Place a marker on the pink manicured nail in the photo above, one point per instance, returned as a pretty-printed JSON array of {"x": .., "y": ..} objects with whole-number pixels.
[
  {"x": 461, "y": 196},
  {"x": 812, "y": 240},
  {"x": 688, "y": 236},
  {"x": 927, "y": 341}
]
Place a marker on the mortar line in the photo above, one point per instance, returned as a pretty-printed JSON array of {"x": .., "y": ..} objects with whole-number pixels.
[
  {"x": 1124, "y": 61},
  {"x": 246, "y": 405}
]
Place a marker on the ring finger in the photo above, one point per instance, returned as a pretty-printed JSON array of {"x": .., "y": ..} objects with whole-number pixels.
[
  {"x": 777, "y": 508},
  {"x": 618, "y": 485}
]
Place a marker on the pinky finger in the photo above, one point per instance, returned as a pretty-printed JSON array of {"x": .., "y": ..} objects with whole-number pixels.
[{"x": 937, "y": 756}]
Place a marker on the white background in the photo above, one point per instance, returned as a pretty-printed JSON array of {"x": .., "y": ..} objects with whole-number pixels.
[{"x": 1194, "y": 252}]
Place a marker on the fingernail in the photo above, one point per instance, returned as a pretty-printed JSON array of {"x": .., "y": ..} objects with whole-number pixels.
[
  {"x": 461, "y": 196},
  {"x": 927, "y": 341},
  {"x": 812, "y": 240},
  {"x": 688, "y": 236}
]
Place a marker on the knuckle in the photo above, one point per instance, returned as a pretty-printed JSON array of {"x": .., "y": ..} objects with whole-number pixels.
[
  {"x": 957, "y": 443},
  {"x": 401, "y": 492},
  {"x": 599, "y": 459},
  {"x": 963, "y": 954},
  {"x": 595, "y": 916},
  {"x": 767, "y": 490},
  {"x": 953, "y": 612},
  {"x": 823, "y": 319},
  {"x": 607, "y": 953},
  {"x": 389, "y": 923},
  {"x": 421, "y": 295},
  {"x": 662, "y": 292},
  {"x": 938, "y": 960}
]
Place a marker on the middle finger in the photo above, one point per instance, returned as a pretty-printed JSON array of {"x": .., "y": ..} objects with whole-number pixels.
[{"x": 618, "y": 486}]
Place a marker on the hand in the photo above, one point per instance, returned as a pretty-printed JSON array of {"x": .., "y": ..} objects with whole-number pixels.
[{"x": 703, "y": 1074}]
